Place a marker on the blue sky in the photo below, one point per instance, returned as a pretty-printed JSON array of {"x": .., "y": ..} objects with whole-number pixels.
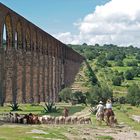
[
  {"x": 53, "y": 15},
  {"x": 84, "y": 21}
]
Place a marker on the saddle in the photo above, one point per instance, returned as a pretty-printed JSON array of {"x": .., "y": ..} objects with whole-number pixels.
[{"x": 109, "y": 112}]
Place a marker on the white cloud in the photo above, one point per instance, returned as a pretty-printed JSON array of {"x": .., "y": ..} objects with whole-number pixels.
[
  {"x": 68, "y": 38},
  {"x": 117, "y": 22}
]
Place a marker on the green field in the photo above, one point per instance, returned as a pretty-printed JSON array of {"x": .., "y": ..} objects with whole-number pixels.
[
  {"x": 38, "y": 109},
  {"x": 43, "y": 132}
]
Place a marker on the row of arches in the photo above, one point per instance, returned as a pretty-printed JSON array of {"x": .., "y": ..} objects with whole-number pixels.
[
  {"x": 18, "y": 35},
  {"x": 32, "y": 39},
  {"x": 34, "y": 66}
]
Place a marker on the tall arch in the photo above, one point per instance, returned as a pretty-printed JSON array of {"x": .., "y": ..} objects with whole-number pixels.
[
  {"x": 8, "y": 25},
  {"x": 18, "y": 35},
  {"x": 2, "y": 58},
  {"x": 34, "y": 38},
  {"x": 27, "y": 39},
  {"x": 4, "y": 37}
]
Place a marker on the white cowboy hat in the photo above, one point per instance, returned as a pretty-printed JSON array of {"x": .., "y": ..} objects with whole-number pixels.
[{"x": 100, "y": 102}]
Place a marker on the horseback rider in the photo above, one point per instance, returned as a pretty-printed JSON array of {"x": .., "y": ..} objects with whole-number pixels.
[
  {"x": 109, "y": 106},
  {"x": 100, "y": 111},
  {"x": 109, "y": 114}
]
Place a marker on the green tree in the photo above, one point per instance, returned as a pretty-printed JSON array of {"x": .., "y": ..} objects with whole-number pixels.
[
  {"x": 110, "y": 56},
  {"x": 89, "y": 55},
  {"x": 133, "y": 95},
  {"x": 84, "y": 44},
  {"x": 138, "y": 56},
  {"x": 120, "y": 56},
  {"x": 136, "y": 71},
  {"x": 91, "y": 75},
  {"x": 119, "y": 74},
  {"x": 107, "y": 93},
  {"x": 79, "y": 96},
  {"x": 117, "y": 80},
  {"x": 122, "y": 100},
  {"x": 97, "y": 45},
  {"x": 132, "y": 63},
  {"x": 97, "y": 93},
  {"x": 129, "y": 75},
  {"x": 65, "y": 94},
  {"x": 101, "y": 61}
]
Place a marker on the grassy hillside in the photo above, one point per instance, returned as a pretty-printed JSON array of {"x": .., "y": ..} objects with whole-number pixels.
[{"x": 107, "y": 62}]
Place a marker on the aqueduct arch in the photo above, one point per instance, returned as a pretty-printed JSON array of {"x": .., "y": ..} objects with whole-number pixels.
[{"x": 34, "y": 66}]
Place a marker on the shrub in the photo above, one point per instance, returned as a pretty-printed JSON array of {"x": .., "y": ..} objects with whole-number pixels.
[
  {"x": 136, "y": 71},
  {"x": 84, "y": 44},
  {"x": 119, "y": 57},
  {"x": 80, "y": 97},
  {"x": 107, "y": 93},
  {"x": 122, "y": 100},
  {"x": 110, "y": 56},
  {"x": 65, "y": 94},
  {"x": 97, "y": 93},
  {"x": 101, "y": 61},
  {"x": 138, "y": 56},
  {"x": 91, "y": 75},
  {"x": 15, "y": 107},
  {"x": 50, "y": 108},
  {"x": 94, "y": 95},
  {"x": 133, "y": 95},
  {"x": 89, "y": 55},
  {"x": 109, "y": 65},
  {"x": 132, "y": 63},
  {"x": 129, "y": 75},
  {"x": 117, "y": 81}
]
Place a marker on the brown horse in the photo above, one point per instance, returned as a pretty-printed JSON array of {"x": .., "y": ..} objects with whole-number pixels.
[{"x": 109, "y": 117}]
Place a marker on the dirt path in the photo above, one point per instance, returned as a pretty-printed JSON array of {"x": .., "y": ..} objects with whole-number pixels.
[
  {"x": 96, "y": 132},
  {"x": 85, "y": 132}
]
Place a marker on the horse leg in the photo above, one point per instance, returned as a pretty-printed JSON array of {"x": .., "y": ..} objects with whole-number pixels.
[
  {"x": 107, "y": 120},
  {"x": 112, "y": 121}
]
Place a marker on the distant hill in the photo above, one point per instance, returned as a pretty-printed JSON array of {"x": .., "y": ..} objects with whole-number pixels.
[{"x": 118, "y": 67}]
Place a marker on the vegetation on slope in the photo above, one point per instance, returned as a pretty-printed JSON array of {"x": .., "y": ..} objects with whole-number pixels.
[{"x": 116, "y": 67}]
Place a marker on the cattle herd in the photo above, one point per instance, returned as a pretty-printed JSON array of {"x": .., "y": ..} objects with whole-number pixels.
[{"x": 45, "y": 119}]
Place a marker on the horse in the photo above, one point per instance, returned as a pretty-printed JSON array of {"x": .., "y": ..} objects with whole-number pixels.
[
  {"x": 110, "y": 117},
  {"x": 100, "y": 116}
]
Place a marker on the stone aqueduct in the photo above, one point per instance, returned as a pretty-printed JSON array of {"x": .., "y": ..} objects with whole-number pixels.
[{"x": 34, "y": 66}]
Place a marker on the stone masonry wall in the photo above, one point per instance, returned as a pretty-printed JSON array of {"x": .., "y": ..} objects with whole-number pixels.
[{"x": 34, "y": 66}]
